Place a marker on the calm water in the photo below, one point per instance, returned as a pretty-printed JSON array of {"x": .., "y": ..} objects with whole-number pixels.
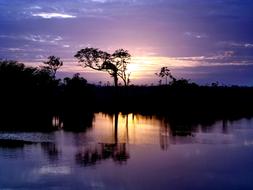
[{"x": 140, "y": 153}]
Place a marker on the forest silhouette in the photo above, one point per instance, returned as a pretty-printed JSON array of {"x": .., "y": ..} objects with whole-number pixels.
[{"x": 32, "y": 96}]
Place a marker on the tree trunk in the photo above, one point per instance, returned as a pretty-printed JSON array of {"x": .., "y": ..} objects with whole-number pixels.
[
  {"x": 125, "y": 82},
  {"x": 115, "y": 77}
]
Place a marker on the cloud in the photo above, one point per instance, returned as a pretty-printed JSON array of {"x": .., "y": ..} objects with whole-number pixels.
[
  {"x": 35, "y": 7},
  {"x": 195, "y": 35},
  {"x": 8, "y": 36},
  {"x": 40, "y": 57},
  {"x": 221, "y": 58},
  {"x": 173, "y": 32},
  {"x": 15, "y": 49},
  {"x": 99, "y": 1},
  {"x": 53, "y": 15},
  {"x": 235, "y": 44},
  {"x": 65, "y": 46},
  {"x": 50, "y": 39},
  {"x": 248, "y": 45},
  {"x": 29, "y": 46}
]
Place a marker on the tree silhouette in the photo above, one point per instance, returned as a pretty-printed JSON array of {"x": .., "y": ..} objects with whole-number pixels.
[
  {"x": 121, "y": 59},
  {"x": 112, "y": 70},
  {"x": 53, "y": 64},
  {"x": 165, "y": 72},
  {"x": 115, "y": 64}
]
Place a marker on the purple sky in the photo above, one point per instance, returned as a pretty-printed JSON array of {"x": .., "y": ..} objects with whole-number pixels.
[{"x": 202, "y": 40}]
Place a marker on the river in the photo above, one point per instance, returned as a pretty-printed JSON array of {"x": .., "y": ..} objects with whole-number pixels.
[{"x": 130, "y": 152}]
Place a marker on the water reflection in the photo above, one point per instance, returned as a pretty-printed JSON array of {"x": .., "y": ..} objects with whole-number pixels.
[
  {"x": 108, "y": 147},
  {"x": 92, "y": 155},
  {"x": 51, "y": 150},
  {"x": 116, "y": 149},
  {"x": 138, "y": 129},
  {"x": 112, "y": 134},
  {"x": 13, "y": 144},
  {"x": 73, "y": 120},
  {"x": 129, "y": 128}
]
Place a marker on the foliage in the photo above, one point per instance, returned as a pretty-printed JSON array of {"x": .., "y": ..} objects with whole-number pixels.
[
  {"x": 53, "y": 64},
  {"x": 165, "y": 72},
  {"x": 33, "y": 95},
  {"x": 75, "y": 82},
  {"x": 115, "y": 64},
  {"x": 121, "y": 58}
]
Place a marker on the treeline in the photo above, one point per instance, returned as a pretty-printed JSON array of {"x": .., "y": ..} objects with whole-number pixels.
[
  {"x": 31, "y": 97},
  {"x": 174, "y": 99},
  {"x": 35, "y": 95}
]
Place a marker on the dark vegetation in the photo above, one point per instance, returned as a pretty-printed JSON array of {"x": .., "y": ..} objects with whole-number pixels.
[
  {"x": 115, "y": 64},
  {"x": 31, "y": 97}
]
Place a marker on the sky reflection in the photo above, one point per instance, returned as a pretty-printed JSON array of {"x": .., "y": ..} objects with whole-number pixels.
[{"x": 144, "y": 152}]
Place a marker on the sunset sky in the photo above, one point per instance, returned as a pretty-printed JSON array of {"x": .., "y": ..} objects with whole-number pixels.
[{"x": 202, "y": 40}]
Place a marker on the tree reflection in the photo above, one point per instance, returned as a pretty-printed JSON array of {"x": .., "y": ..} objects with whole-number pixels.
[
  {"x": 77, "y": 121},
  {"x": 51, "y": 150},
  {"x": 116, "y": 151},
  {"x": 102, "y": 151},
  {"x": 224, "y": 126},
  {"x": 164, "y": 137}
]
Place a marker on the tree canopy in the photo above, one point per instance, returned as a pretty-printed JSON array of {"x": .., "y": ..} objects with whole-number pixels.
[
  {"x": 53, "y": 64},
  {"x": 115, "y": 64},
  {"x": 165, "y": 72}
]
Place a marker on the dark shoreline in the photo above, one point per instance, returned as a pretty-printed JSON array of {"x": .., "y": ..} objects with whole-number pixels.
[{"x": 30, "y": 98}]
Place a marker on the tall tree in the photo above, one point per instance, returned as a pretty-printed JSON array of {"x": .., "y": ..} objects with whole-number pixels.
[
  {"x": 121, "y": 59},
  {"x": 53, "y": 64},
  {"x": 115, "y": 64},
  {"x": 165, "y": 72}
]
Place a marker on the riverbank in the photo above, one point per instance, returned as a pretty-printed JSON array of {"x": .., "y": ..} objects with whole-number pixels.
[{"x": 32, "y": 99}]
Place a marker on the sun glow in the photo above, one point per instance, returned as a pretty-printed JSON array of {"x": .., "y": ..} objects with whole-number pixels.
[
  {"x": 132, "y": 68},
  {"x": 142, "y": 69},
  {"x": 141, "y": 66}
]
